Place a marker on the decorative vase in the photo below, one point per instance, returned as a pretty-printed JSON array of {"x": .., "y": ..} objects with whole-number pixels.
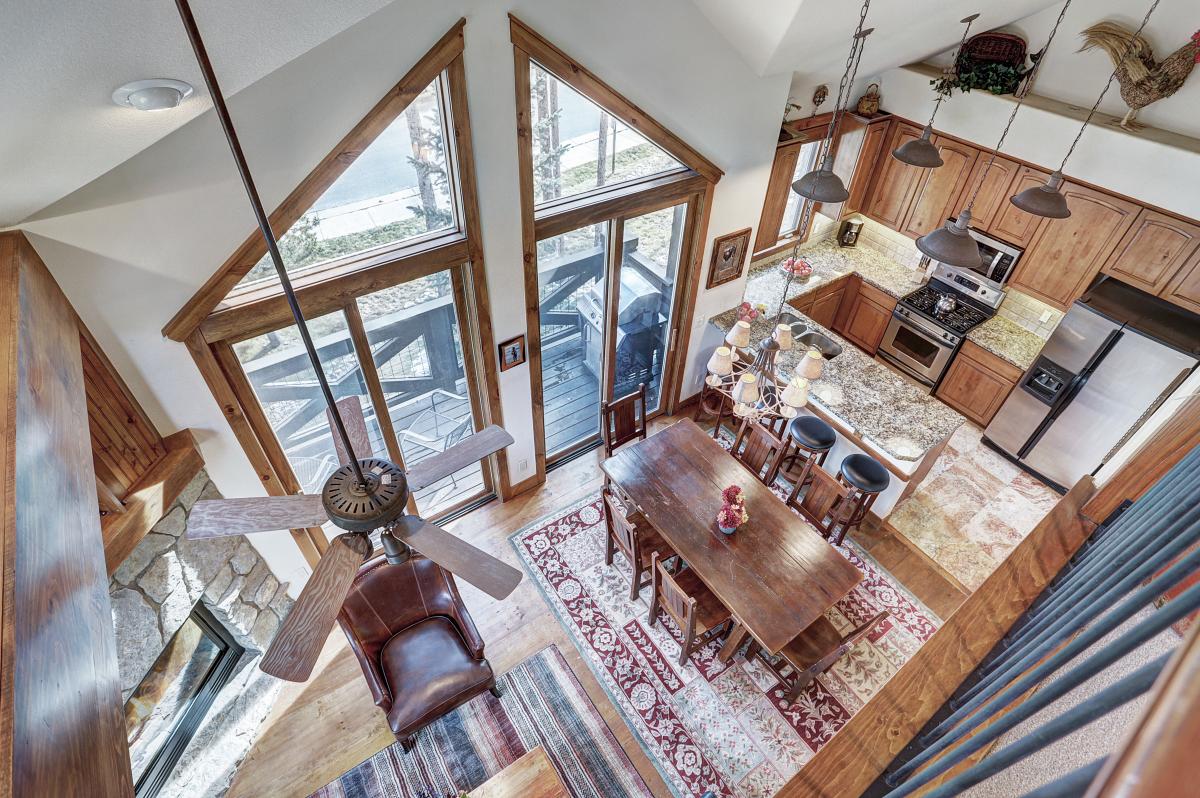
[{"x": 727, "y": 530}]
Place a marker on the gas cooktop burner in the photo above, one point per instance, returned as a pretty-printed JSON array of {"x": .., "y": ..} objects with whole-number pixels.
[{"x": 961, "y": 319}]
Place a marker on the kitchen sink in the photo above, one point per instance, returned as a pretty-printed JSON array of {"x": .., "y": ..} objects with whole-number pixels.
[{"x": 828, "y": 347}]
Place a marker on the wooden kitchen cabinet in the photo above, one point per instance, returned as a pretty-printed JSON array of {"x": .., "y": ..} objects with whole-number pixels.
[
  {"x": 858, "y": 153},
  {"x": 868, "y": 316},
  {"x": 1009, "y": 222},
  {"x": 1066, "y": 254},
  {"x": 939, "y": 191},
  {"x": 1153, "y": 251},
  {"x": 821, "y": 305},
  {"x": 993, "y": 194},
  {"x": 1184, "y": 290},
  {"x": 895, "y": 182},
  {"x": 977, "y": 383}
]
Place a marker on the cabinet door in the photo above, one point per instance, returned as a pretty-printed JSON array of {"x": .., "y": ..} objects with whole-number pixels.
[
  {"x": 939, "y": 190},
  {"x": 895, "y": 182},
  {"x": 1067, "y": 253},
  {"x": 1010, "y": 222},
  {"x": 973, "y": 390},
  {"x": 1184, "y": 290},
  {"x": 825, "y": 308},
  {"x": 993, "y": 194},
  {"x": 867, "y": 323},
  {"x": 1153, "y": 251},
  {"x": 868, "y": 157}
]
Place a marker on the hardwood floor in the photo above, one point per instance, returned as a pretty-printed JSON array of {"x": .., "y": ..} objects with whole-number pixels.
[{"x": 321, "y": 729}]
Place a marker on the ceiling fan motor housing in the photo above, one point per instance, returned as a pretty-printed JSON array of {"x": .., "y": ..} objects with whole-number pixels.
[{"x": 377, "y": 502}]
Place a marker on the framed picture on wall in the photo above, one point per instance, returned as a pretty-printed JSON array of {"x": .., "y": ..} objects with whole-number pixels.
[
  {"x": 728, "y": 257},
  {"x": 512, "y": 353}
]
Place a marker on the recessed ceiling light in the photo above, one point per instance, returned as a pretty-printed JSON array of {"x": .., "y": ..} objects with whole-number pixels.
[{"x": 157, "y": 94}]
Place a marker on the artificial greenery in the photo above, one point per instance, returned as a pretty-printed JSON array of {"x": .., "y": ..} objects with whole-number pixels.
[{"x": 992, "y": 76}]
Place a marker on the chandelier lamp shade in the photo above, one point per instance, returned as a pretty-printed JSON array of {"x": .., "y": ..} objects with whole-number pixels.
[
  {"x": 952, "y": 243},
  {"x": 921, "y": 151},
  {"x": 739, "y": 335},
  {"x": 821, "y": 184},
  {"x": 1048, "y": 200}
]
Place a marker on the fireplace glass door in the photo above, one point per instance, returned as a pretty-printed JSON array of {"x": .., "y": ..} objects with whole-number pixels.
[{"x": 165, "y": 709}]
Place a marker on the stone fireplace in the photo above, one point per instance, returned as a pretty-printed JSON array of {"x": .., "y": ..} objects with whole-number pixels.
[{"x": 155, "y": 595}]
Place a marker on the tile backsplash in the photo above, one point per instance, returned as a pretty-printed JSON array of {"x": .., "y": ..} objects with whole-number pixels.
[
  {"x": 887, "y": 241},
  {"x": 1026, "y": 311}
]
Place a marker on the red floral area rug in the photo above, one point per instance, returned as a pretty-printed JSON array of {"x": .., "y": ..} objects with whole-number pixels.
[{"x": 711, "y": 726}]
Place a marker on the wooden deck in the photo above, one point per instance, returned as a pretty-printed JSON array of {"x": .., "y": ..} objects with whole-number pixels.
[{"x": 571, "y": 395}]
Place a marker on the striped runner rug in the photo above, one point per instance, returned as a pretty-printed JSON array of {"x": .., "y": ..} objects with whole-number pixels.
[{"x": 541, "y": 703}]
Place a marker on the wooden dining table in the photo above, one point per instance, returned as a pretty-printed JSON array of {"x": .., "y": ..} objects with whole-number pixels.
[{"x": 775, "y": 574}]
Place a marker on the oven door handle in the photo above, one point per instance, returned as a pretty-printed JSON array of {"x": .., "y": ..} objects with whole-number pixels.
[{"x": 918, "y": 323}]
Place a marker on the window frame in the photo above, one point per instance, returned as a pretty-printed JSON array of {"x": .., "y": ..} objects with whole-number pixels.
[
  {"x": 211, "y": 321},
  {"x": 768, "y": 238},
  {"x": 693, "y": 183}
]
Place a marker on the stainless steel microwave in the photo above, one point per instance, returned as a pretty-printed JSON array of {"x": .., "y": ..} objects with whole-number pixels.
[{"x": 999, "y": 258}]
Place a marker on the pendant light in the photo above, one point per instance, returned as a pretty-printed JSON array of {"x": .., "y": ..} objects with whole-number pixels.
[
  {"x": 922, "y": 152},
  {"x": 952, "y": 243},
  {"x": 1048, "y": 200},
  {"x": 822, "y": 185}
]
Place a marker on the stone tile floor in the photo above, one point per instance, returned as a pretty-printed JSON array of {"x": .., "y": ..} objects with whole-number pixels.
[{"x": 972, "y": 509}]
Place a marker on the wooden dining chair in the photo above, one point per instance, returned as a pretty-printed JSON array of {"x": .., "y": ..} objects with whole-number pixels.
[
  {"x": 813, "y": 652},
  {"x": 700, "y": 615},
  {"x": 636, "y": 539},
  {"x": 759, "y": 450},
  {"x": 821, "y": 500},
  {"x": 624, "y": 419}
]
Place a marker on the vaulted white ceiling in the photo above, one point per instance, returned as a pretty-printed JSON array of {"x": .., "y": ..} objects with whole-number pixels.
[
  {"x": 63, "y": 59},
  {"x": 812, "y": 37}
]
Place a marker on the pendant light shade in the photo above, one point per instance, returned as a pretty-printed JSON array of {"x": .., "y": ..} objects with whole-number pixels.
[
  {"x": 919, "y": 152},
  {"x": 953, "y": 244},
  {"x": 1046, "y": 200},
  {"x": 822, "y": 185}
]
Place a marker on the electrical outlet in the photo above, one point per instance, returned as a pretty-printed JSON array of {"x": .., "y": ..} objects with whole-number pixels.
[
  {"x": 523, "y": 466},
  {"x": 1045, "y": 317}
]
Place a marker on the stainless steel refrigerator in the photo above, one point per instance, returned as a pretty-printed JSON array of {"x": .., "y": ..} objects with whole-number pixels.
[{"x": 1114, "y": 358}]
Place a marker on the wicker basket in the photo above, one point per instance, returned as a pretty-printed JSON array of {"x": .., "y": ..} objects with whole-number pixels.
[{"x": 1004, "y": 48}]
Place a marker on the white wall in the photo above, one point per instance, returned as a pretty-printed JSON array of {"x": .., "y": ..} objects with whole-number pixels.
[{"x": 132, "y": 246}]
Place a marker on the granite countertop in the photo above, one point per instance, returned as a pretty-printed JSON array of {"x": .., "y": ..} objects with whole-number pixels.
[
  {"x": 1007, "y": 340},
  {"x": 878, "y": 404}
]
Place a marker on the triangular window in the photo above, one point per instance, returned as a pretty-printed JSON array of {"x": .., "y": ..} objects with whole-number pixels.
[
  {"x": 400, "y": 188},
  {"x": 579, "y": 147}
]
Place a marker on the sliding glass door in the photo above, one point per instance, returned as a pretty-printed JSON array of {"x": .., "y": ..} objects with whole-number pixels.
[
  {"x": 400, "y": 352},
  {"x": 606, "y": 316}
]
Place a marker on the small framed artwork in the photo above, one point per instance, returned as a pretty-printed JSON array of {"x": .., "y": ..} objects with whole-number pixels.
[
  {"x": 728, "y": 257},
  {"x": 512, "y": 353}
]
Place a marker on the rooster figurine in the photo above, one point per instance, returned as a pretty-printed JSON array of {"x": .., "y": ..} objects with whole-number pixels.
[{"x": 1143, "y": 79}]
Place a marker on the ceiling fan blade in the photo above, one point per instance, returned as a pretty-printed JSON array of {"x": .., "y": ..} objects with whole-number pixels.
[
  {"x": 212, "y": 518},
  {"x": 298, "y": 643},
  {"x": 350, "y": 408},
  {"x": 469, "y": 450},
  {"x": 492, "y": 576}
]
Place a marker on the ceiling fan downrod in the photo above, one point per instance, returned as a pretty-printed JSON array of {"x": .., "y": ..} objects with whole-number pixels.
[{"x": 264, "y": 224}]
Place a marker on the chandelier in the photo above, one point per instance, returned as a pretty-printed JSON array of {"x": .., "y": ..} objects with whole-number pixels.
[{"x": 749, "y": 378}]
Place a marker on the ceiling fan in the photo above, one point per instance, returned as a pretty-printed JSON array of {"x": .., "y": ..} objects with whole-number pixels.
[{"x": 365, "y": 494}]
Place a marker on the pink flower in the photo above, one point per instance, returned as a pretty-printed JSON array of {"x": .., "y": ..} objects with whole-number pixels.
[{"x": 733, "y": 495}]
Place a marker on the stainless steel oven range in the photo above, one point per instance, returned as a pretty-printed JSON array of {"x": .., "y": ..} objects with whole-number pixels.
[{"x": 929, "y": 325}]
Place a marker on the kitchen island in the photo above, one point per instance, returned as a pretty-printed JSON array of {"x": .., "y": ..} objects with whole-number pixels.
[{"x": 874, "y": 409}]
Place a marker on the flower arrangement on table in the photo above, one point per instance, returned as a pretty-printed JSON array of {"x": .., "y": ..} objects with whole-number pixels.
[
  {"x": 796, "y": 267},
  {"x": 733, "y": 510},
  {"x": 748, "y": 312}
]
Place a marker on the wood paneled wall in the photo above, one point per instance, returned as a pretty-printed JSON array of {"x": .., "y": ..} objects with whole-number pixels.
[
  {"x": 125, "y": 445},
  {"x": 61, "y": 725}
]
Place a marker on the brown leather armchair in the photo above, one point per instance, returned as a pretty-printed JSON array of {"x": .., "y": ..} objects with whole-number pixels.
[{"x": 416, "y": 643}]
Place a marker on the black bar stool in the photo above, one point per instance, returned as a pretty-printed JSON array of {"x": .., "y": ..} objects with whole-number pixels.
[
  {"x": 865, "y": 478},
  {"x": 812, "y": 439}
]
